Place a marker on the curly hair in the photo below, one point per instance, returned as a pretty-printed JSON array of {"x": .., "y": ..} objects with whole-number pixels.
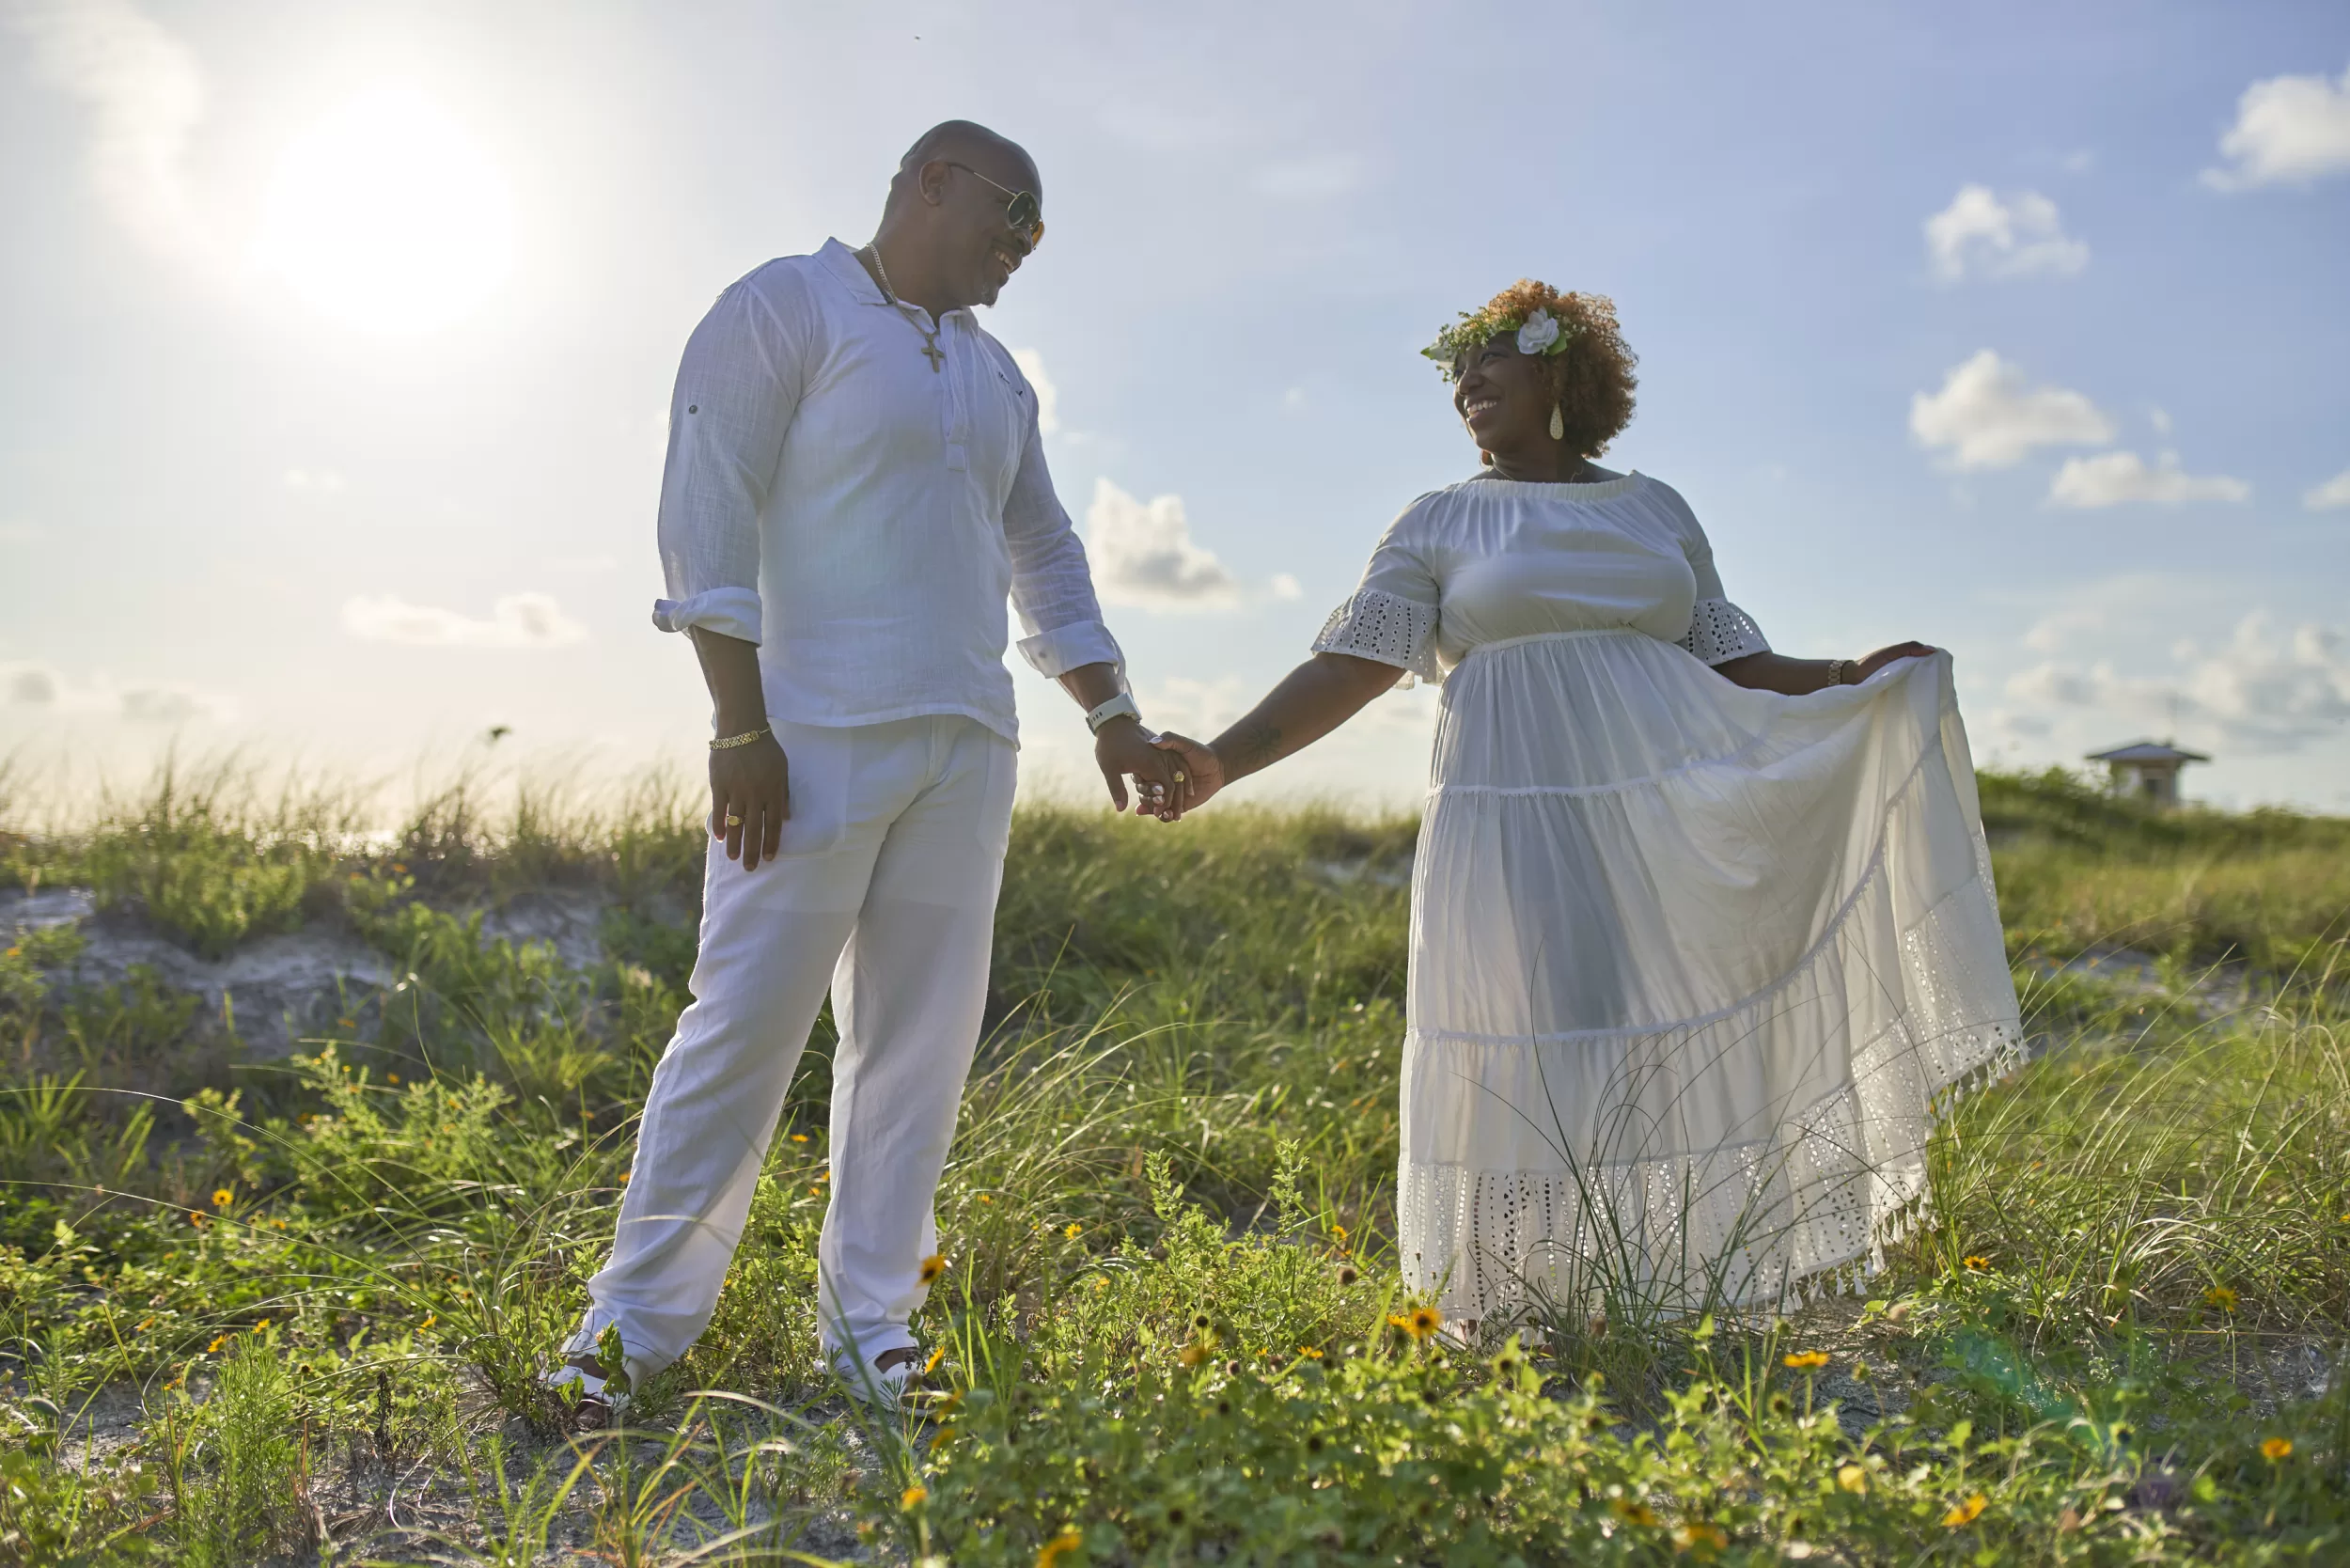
[{"x": 1590, "y": 377}]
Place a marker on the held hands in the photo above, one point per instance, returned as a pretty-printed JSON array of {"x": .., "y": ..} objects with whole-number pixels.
[
  {"x": 750, "y": 799},
  {"x": 1201, "y": 770},
  {"x": 1123, "y": 747}
]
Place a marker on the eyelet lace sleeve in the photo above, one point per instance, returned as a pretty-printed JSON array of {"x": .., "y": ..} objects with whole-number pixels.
[
  {"x": 1392, "y": 630},
  {"x": 1719, "y": 631}
]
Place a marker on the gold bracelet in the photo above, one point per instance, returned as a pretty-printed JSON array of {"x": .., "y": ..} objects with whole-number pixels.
[{"x": 733, "y": 741}]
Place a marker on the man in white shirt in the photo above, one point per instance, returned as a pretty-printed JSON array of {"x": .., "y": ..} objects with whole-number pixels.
[{"x": 855, "y": 483}]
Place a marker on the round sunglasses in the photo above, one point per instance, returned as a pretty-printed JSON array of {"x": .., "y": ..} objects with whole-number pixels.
[{"x": 1022, "y": 209}]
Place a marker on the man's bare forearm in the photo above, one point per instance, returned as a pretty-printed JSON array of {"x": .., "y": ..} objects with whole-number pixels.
[
  {"x": 730, "y": 669},
  {"x": 1311, "y": 701},
  {"x": 1091, "y": 684}
]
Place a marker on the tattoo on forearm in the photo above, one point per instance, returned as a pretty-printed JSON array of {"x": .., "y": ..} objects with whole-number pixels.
[{"x": 1257, "y": 745}]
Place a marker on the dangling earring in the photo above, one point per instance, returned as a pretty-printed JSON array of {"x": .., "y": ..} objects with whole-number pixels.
[{"x": 1558, "y": 423}]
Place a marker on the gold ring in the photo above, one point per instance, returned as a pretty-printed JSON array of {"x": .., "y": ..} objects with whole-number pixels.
[
  {"x": 1179, "y": 776},
  {"x": 733, "y": 821}
]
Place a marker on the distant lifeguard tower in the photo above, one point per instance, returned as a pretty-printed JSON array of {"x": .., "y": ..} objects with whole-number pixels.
[{"x": 2148, "y": 771}]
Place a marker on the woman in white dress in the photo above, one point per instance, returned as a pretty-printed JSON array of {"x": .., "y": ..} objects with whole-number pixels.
[{"x": 1702, "y": 936}]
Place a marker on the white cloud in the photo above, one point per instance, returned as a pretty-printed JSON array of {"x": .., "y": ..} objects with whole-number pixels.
[
  {"x": 2287, "y": 129},
  {"x": 21, "y": 533},
  {"x": 1990, "y": 418},
  {"x": 2262, "y": 692},
  {"x": 1143, "y": 554},
  {"x": 1031, "y": 365},
  {"x": 1980, "y": 235},
  {"x": 2110, "y": 479},
  {"x": 516, "y": 620},
  {"x": 1286, "y": 587},
  {"x": 2053, "y": 630},
  {"x": 1295, "y": 399},
  {"x": 28, "y": 684},
  {"x": 2332, "y": 494},
  {"x": 312, "y": 481},
  {"x": 33, "y": 685},
  {"x": 171, "y": 705},
  {"x": 1199, "y": 709},
  {"x": 144, "y": 96}
]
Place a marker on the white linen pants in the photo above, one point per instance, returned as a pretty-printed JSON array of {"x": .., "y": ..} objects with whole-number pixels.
[{"x": 885, "y": 890}]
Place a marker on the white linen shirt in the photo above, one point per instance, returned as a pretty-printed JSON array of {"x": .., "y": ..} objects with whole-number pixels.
[{"x": 860, "y": 517}]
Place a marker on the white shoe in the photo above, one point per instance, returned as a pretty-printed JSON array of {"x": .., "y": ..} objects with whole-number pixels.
[
  {"x": 882, "y": 1387},
  {"x": 595, "y": 1408}
]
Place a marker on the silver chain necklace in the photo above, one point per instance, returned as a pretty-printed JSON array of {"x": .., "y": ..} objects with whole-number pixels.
[{"x": 936, "y": 355}]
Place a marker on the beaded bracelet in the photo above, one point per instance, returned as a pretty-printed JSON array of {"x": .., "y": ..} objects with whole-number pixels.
[{"x": 733, "y": 741}]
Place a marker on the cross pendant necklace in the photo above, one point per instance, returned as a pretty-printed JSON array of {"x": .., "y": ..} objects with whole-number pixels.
[{"x": 930, "y": 350}]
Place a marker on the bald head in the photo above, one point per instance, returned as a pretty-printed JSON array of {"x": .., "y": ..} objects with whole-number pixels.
[
  {"x": 949, "y": 228},
  {"x": 964, "y": 141}
]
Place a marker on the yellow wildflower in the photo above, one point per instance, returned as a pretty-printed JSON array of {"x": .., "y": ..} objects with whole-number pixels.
[
  {"x": 1060, "y": 1547},
  {"x": 1805, "y": 1360},
  {"x": 1074, "y": 1230},
  {"x": 1632, "y": 1513},
  {"x": 912, "y": 1497},
  {"x": 221, "y": 1198},
  {"x": 2277, "y": 1450},
  {"x": 933, "y": 1267},
  {"x": 391, "y": 1077},
  {"x": 1975, "y": 1262},
  {"x": 2222, "y": 1297},
  {"x": 1310, "y": 1353},
  {"x": 1420, "y": 1322},
  {"x": 938, "y": 1354},
  {"x": 799, "y": 1138},
  {"x": 1193, "y": 1355},
  {"x": 985, "y": 1199},
  {"x": 1853, "y": 1479},
  {"x": 1966, "y": 1513},
  {"x": 1697, "y": 1535},
  {"x": 214, "y": 1349},
  {"x": 261, "y": 1327}
]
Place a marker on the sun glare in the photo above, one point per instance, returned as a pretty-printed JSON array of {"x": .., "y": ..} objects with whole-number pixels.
[{"x": 387, "y": 215}]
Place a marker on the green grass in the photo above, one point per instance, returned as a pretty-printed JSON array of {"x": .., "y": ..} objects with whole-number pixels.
[
  {"x": 2079, "y": 870},
  {"x": 291, "y": 1310}
]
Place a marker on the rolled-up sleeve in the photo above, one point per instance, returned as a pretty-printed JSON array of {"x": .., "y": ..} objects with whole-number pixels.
[
  {"x": 738, "y": 388},
  {"x": 1051, "y": 584}
]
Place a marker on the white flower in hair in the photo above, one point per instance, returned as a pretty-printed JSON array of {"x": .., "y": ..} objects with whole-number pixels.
[{"x": 1539, "y": 333}]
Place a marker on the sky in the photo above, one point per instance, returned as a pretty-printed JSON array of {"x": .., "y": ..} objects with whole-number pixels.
[{"x": 340, "y": 337}]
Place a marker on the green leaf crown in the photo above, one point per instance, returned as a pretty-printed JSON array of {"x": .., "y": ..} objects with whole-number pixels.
[{"x": 1477, "y": 328}]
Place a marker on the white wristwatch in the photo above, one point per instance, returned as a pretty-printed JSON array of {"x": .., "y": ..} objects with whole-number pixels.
[{"x": 1123, "y": 705}]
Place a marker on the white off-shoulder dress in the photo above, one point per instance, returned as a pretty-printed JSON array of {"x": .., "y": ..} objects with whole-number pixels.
[{"x": 1693, "y": 967}]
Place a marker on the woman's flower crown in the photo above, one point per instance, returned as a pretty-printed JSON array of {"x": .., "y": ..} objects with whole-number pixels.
[{"x": 1540, "y": 331}]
